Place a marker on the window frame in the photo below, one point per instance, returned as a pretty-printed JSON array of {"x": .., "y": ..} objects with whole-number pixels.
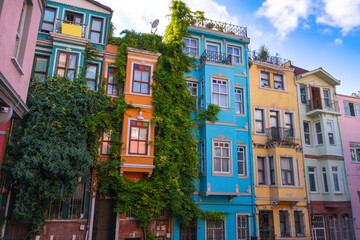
[
  {"x": 202, "y": 89},
  {"x": 337, "y": 174},
  {"x": 233, "y": 56},
  {"x": 285, "y": 171},
  {"x": 48, "y": 22},
  {"x": 221, "y": 172},
  {"x": 302, "y": 223},
  {"x": 331, "y": 132},
  {"x": 317, "y": 134},
  {"x": 314, "y": 173},
  {"x": 66, "y": 68},
  {"x": 262, "y": 80},
  {"x": 75, "y": 14},
  {"x": 309, "y": 133},
  {"x": 190, "y": 85},
  {"x": 244, "y": 161},
  {"x": 302, "y": 94},
  {"x": 263, "y": 170},
  {"x": 219, "y": 93},
  {"x": 40, "y": 72},
  {"x": 247, "y": 228},
  {"x": 262, "y": 120},
  {"x": 291, "y": 125},
  {"x": 108, "y": 141},
  {"x": 96, "y": 31},
  {"x": 223, "y": 229},
  {"x": 114, "y": 84},
  {"x": 20, "y": 32},
  {"x": 202, "y": 157},
  {"x": 239, "y": 91},
  {"x": 189, "y": 47},
  {"x": 140, "y": 81},
  {"x": 94, "y": 80},
  {"x": 287, "y": 223},
  {"x": 281, "y": 82},
  {"x": 325, "y": 180},
  {"x": 269, "y": 170},
  {"x": 354, "y": 148},
  {"x": 129, "y": 139},
  {"x": 327, "y": 98}
]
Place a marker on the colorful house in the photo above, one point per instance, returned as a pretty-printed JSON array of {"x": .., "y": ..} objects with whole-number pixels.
[
  {"x": 225, "y": 151},
  {"x": 349, "y": 121},
  {"x": 280, "y": 188},
  {"x": 327, "y": 186}
]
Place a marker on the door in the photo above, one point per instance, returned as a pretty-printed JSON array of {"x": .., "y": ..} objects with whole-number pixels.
[
  {"x": 315, "y": 98},
  {"x": 266, "y": 225},
  {"x": 104, "y": 219},
  {"x": 275, "y": 133},
  {"x": 189, "y": 232},
  {"x": 212, "y": 53},
  {"x": 318, "y": 227}
]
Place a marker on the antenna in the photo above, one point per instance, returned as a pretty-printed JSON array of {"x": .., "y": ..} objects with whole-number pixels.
[{"x": 154, "y": 24}]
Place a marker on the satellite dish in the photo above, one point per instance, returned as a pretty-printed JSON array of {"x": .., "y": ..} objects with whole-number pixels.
[{"x": 154, "y": 24}]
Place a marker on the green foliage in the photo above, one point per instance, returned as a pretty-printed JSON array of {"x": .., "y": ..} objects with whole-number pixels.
[
  {"x": 263, "y": 53},
  {"x": 214, "y": 216},
  {"x": 209, "y": 114}
]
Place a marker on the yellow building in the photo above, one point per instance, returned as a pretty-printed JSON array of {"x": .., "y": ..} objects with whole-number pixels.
[{"x": 280, "y": 190}]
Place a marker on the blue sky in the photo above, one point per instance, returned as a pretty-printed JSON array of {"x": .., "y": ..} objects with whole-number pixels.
[{"x": 311, "y": 33}]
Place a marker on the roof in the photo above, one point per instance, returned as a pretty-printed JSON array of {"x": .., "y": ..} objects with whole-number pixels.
[
  {"x": 100, "y": 5},
  {"x": 321, "y": 73},
  {"x": 298, "y": 70}
]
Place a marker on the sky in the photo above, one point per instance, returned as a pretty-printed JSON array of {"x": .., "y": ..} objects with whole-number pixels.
[{"x": 311, "y": 33}]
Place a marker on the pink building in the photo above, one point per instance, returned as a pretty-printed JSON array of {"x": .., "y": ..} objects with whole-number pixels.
[
  {"x": 19, "y": 21},
  {"x": 349, "y": 122}
]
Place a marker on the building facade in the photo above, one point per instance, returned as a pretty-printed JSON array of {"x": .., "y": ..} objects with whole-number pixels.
[
  {"x": 327, "y": 185},
  {"x": 225, "y": 151},
  {"x": 349, "y": 107},
  {"x": 280, "y": 189}
]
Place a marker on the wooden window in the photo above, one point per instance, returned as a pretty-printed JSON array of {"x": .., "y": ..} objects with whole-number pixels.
[
  {"x": 239, "y": 101},
  {"x": 299, "y": 223},
  {"x": 193, "y": 89},
  {"x": 285, "y": 226},
  {"x": 41, "y": 64},
  {"x": 265, "y": 79},
  {"x": 302, "y": 94},
  {"x": 190, "y": 46},
  {"x": 242, "y": 227},
  {"x": 259, "y": 121},
  {"x": 235, "y": 54},
  {"x": 48, "y": 20},
  {"x": 325, "y": 183},
  {"x": 95, "y": 30},
  {"x": 91, "y": 75},
  {"x": 138, "y": 137},
  {"x": 221, "y": 157},
  {"x": 112, "y": 83},
  {"x": 215, "y": 230},
  {"x": 106, "y": 143},
  {"x": 336, "y": 179},
  {"x": 141, "y": 79},
  {"x": 278, "y": 81},
  {"x": 307, "y": 133},
  {"x": 319, "y": 138},
  {"x": 312, "y": 179},
  {"x": 220, "y": 93},
  {"x": 241, "y": 155},
  {"x": 73, "y": 18},
  {"x": 66, "y": 65},
  {"x": 261, "y": 169},
  {"x": 287, "y": 171}
]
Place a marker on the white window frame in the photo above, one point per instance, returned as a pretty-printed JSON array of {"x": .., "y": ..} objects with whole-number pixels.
[
  {"x": 282, "y": 82},
  {"x": 331, "y": 131},
  {"x": 325, "y": 179},
  {"x": 337, "y": 174},
  {"x": 314, "y": 173},
  {"x": 269, "y": 80},
  {"x": 191, "y": 86},
  {"x": 294, "y": 170},
  {"x": 227, "y": 84},
  {"x": 303, "y": 222},
  {"x": 245, "y": 165},
  {"x": 202, "y": 157},
  {"x": 317, "y": 133},
  {"x": 355, "y": 106},
  {"x": 267, "y": 170},
  {"x": 247, "y": 237},
  {"x": 328, "y": 98},
  {"x": 264, "y": 120},
  {"x": 129, "y": 134},
  {"x": 222, "y": 173},
  {"x": 233, "y": 55},
  {"x": 303, "y": 94},
  {"x": 20, "y": 30},
  {"x": 308, "y": 133},
  {"x": 224, "y": 229},
  {"x": 240, "y": 91},
  {"x": 354, "y": 147},
  {"x": 189, "y": 47},
  {"x": 288, "y": 222}
]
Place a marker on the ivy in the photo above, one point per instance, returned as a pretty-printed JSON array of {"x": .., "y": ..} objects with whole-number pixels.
[{"x": 209, "y": 114}]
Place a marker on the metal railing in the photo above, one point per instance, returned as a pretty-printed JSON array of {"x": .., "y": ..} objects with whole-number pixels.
[
  {"x": 321, "y": 104},
  {"x": 59, "y": 24},
  {"x": 215, "y": 57},
  {"x": 257, "y": 56},
  {"x": 280, "y": 134},
  {"x": 221, "y": 27}
]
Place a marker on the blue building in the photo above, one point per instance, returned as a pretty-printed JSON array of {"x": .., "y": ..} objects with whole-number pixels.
[{"x": 225, "y": 147}]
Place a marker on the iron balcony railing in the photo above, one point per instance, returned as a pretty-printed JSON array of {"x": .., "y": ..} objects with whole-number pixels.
[
  {"x": 59, "y": 27},
  {"x": 221, "y": 27},
  {"x": 321, "y": 104},
  {"x": 280, "y": 134},
  {"x": 258, "y": 56},
  {"x": 215, "y": 57}
]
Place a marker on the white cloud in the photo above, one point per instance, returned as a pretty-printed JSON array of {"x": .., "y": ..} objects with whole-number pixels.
[
  {"x": 137, "y": 14},
  {"x": 338, "y": 41},
  {"x": 284, "y": 15},
  {"x": 326, "y": 31},
  {"x": 344, "y": 14}
]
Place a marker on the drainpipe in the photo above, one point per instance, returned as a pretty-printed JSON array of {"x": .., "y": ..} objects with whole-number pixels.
[{"x": 92, "y": 215}]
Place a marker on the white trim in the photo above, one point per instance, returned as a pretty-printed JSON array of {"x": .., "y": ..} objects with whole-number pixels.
[
  {"x": 322, "y": 135},
  {"x": 224, "y": 221},
  {"x": 248, "y": 224},
  {"x": 246, "y": 162},
  {"x": 293, "y": 122},
  {"x": 221, "y": 78},
  {"x": 197, "y": 40},
  {"x": 128, "y": 138},
  {"x": 243, "y": 101},
  {"x": 333, "y": 128},
  {"x": 279, "y": 116},
  {"x": 128, "y": 165},
  {"x": 141, "y": 58},
  {"x": 315, "y": 179},
  {"x": 231, "y": 167},
  {"x": 241, "y": 49}
]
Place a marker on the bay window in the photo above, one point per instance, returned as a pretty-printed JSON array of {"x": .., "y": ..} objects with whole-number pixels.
[
  {"x": 287, "y": 171},
  {"x": 221, "y": 157},
  {"x": 220, "y": 93}
]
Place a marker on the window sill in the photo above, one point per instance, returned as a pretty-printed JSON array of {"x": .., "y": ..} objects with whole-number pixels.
[
  {"x": 273, "y": 89},
  {"x": 243, "y": 177},
  {"x": 67, "y": 220},
  {"x": 241, "y": 115},
  {"x": 260, "y": 134},
  {"x": 139, "y": 94},
  {"x": 136, "y": 155},
  {"x": 338, "y": 193},
  {"x": 17, "y": 65},
  {"x": 219, "y": 174}
]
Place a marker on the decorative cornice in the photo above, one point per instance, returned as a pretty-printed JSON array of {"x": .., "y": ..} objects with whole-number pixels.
[
  {"x": 221, "y": 138},
  {"x": 219, "y": 75},
  {"x": 191, "y": 78},
  {"x": 69, "y": 38},
  {"x": 143, "y": 52},
  {"x": 324, "y": 157},
  {"x": 240, "y": 143},
  {"x": 238, "y": 85},
  {"x": 271, "y": 66}
]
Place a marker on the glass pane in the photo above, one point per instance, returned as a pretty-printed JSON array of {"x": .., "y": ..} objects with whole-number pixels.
[
  {"x": 91, "y": 85},
  {"x": 217, "y": 152},
  {"x": 134, "y": 133},
  {"x": 193, "y": 43},
  {"x": 142, "y": 148},
  {"x": 241, "y": 167},
  {"x": 110, "y": 89},
  {"x": 133, "y": 147},
  {"x": 145, "y": 76},
  {"x": 105, "y": 148},
  {"x": 216, "y": 87},
  {"x": 259, "y": 127},
  {"x": 39, "y": 77},
  {"x": 193, "y": 51},
  {"x": 111, "y": 78},
  {"x": 217, "y": 164},
  {"x": 71, "y": 74},
  {"x": 47, "y": 27},
  {"x": 258, "y": 114},
  {"x": 225, "y": 152},
  {"x": 91, "y": 72},
  {"x": 186, "y": 41},
  {"x": 137, "y": 75},
  {"x": 236, "y": 60},
  {"x": 215, "y": 99},
  {"x": 62, "y": 60},
  {"x": 264, "y": 75},
  {"x": 41, "y": 64},
  {"x": 143, "y": 132},
  {"x": 145, "y": 88},
  {"x": 212, "y": 48},
  {"x": 223, "y": 100},
  {"x": 223, "y": 89},
  {"x": 61, "y": 72},
  {"x": 229, "y": 50},
  {"x": 236, "y": 51},
  {"x": 225, "y": 165},
  {"x": 96, "y": 25},
  {"x": 95, "y": 37},
  {"x": 237, "y": 108},
  {"x": 237, "y": 97},
  {"x": 49, "y": 15},
  {"x": 136, "y": 87},
  {"x": 285, "y": 164},
  {"x": 72, "y": 61}
]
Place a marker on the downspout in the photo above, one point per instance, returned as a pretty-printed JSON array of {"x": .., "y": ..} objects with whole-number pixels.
[{"x": 92, "y": 216}]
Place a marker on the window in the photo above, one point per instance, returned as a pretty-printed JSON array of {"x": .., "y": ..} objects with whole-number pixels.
[
  {"x": 95, "y": 30},
  {"x": 284, "y": 220},
  {"x": 242, "y": 225},
  {"x": 266, "y": 170},
  {"x": 112, "y": 83},
  {"x": 307, "y": 133},
  {"x": 188, "y": 232},
  {"x": 326, "y": 188},
  {"x": 73, "y": 18},
  {"x": 265, "y": 79},
  {"x": 241, "y": 161},
  {"x": 141, "y": 79},
  {"x": 355, "y": 152},
  {"x": 190, "y": 46},
  {"x": 319, "y": 138},
  {"x": 72, "y": 208},
  {"x": 331, "y": 132},
  {"x": 347, "y": 224},
  {"x": 48, "y": 20},
  {"x": 259, "y": 121},
  {"x": 40, "y": 68},
  {"x": 335, "y": 174},
  {"x": 352, "y": 109},
  {"x": 221, "y": 157},
  {"x": 20, "y": 31},
  {"x": 287, "y": 171},
  {"x": 299, "y": 222},
  {"x": 193, "y": 89},
  {"x": 302, "y": 94},
  {"x": 332, "y": 228},
  {"x": 215, "y": 230},
  {"x": 235, "y": 54},
  {"x": 312, "y": 179},
  {"x": 326, "y": 93},
  {"x": 278, "y": 81},
  {"x": 138, "y": 137},
  {"x": 202, "y": 94},
  {"x": 318, "y": 226},
  {"x": 220, "y": 93},
  {"x": 105, "y": 143},
  {"x": 266, "y": 225},
  {"x": 272, "y": 170},
  {"x": 66, "y": 65},
  {"x": 202, "y": 158},
  {"x": 289, "y": 125},
  {"x": 239, "y": 101},
  {"x": 91, "y": 74},
  {"x": 261, "y": 177}
]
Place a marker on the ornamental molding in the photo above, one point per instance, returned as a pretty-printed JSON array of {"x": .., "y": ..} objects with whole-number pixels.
[
  {"x": 220, "y": 75},
  {"x": 191, "y": 78},
  {"x": 238, "y": 85},
  {"x": 221, "y": 138}
]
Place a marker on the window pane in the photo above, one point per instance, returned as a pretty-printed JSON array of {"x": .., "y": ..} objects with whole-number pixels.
[
  {"x": 143, "y": 132},
  {"x": 193, "y": 43},
  {"x": 217, "y": 164},
  {"x": 61, "y": 72},
  {"x": 225, "y": 152},
  {"x": 72, "y": 61},
  {"x": 215, "y": 99},
  {"x": 49, "y": 15},
  {"x": 62, "y": 60},
  {"x": 216, "y": 87},
  {"x": 145, "y": 76},
  {"x": 47, "y": 27},
  {"x": 95, "y": 37},
  {"x": 41, "y": 64},
  {"x": 136, "y": 87},
  {"x": 142, "y": 148},
  {"x": 223, "y": 100},
  {"x": 71, "y": 74},
  {"x": 134, "y": 133},
  {"x": 145, "y": 88},
  {"x": 91, "y": 85},
  {"x": 217, "y": 152},
  {"x": 225, "y": 165},
  {"x": 96, "y": 25},
  {"x": 223, "y": 89},
  {"x": 91, "y": 72},
  {"x": 241, "y": 167},
  {"x": 39, "y": 77},
  {"x": 137, "y": 75},
  {"x": 193, "y": 51},
  {"x": 133, "y": 146}
]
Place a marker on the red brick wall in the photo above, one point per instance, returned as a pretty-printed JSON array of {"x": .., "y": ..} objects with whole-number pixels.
[{"x": 64, "y": 230}]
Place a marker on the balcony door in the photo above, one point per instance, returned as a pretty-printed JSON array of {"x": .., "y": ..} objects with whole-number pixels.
[
  {"x": 315, "y": 98},
  {"x": 275, "y": 132},
  {"x": 212, "y": 53},
  {"x": 73, "y": 18}
]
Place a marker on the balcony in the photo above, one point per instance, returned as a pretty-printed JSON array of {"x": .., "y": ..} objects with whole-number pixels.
[
  {"x": 221, "y": 27},
  {"x": 215, "y": 57},
  {"x": 70, "y": 28},
  {"x": 281, "y": 135},
  {"x": 257, "y": 56},
  {"x": 315, "y": 106}
]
